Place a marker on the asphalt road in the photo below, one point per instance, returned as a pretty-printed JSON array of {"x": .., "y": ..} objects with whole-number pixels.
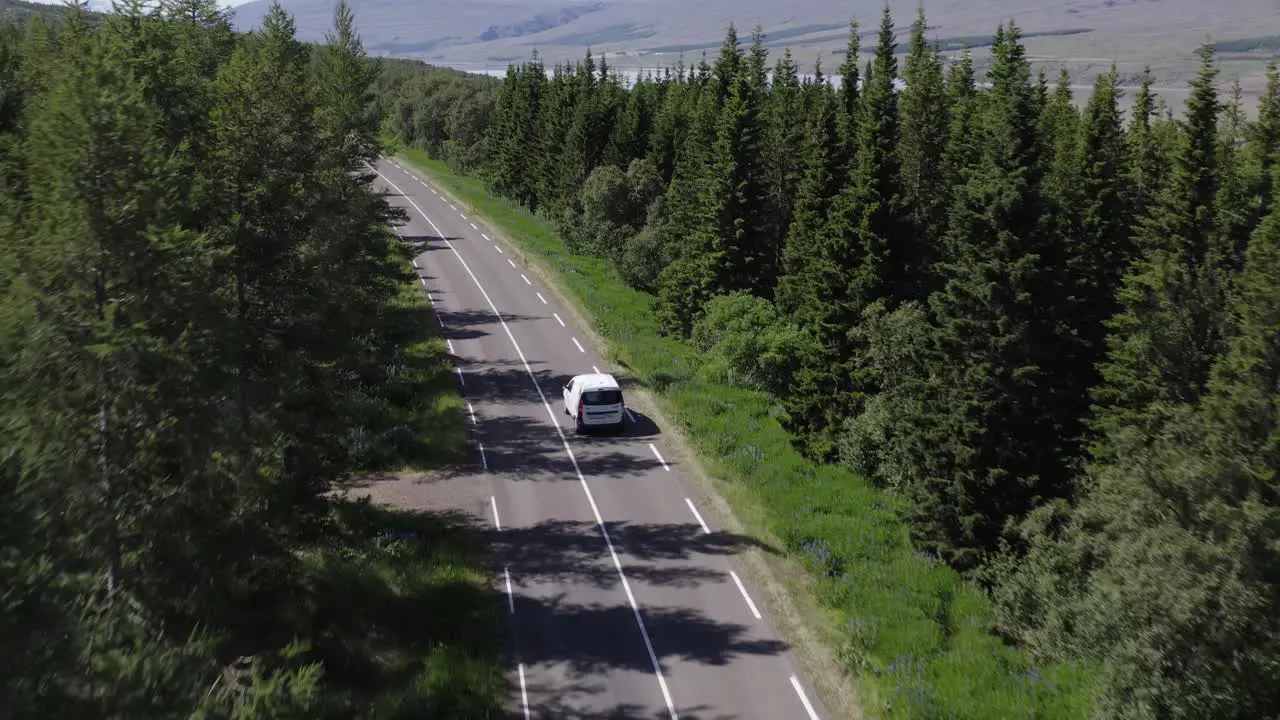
[{"x": 623, "y": 602}]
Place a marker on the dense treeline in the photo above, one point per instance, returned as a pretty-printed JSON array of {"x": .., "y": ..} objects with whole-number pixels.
[
  {"x": 205, "y": 325},
  {"x": 1050, "y": 330}
]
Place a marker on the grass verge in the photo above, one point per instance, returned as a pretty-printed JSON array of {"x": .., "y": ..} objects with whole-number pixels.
[
  {"x": 910, "y": 632},
  {"x": 401, "y": 618},
  {"x": 416, "y": 419},
  {"x": 395, "y": 605}
]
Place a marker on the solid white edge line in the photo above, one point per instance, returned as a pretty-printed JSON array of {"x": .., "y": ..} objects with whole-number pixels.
[
  {"x": 795, "y": 683},
  {"x": 493, "y": 503},
  {"x": 743, "y": 589},
  {"x": 557, "y": 317},
  {"x": 484, "y": 462},
  {"x": 604, "y": 531},
  {"x": 524, "y": 696},
  {"x": 580, "y": 348},
  {"x": 544, "y": 300},
  {"x": 701, "y": 522},
  {"x": 472, "y": 410},
  {"x": 658, "y": 455},
  {"x": 526, "y": 279},
  {"x": 511, "y": 599}
]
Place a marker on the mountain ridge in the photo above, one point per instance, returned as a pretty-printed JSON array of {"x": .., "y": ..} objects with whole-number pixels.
[{"x": 1085, "y": 36}]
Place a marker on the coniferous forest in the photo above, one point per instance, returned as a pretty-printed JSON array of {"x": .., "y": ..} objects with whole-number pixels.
[
  {"x": 206, "y": 326},
  {"x": 1051, "y": 332}
]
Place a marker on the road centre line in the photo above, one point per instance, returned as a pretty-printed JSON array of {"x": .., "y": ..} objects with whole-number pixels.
[
  {"x": 513, "y": 262},
  {"x": 484, "y": 462},
  {"x": 595, "y": 369},
  {"x": 701, "y": 522},
  {"x": 743, "y": 589},
  {"x": 473, "y": 226},
  {"x": 493, "y": 503},
  {"x": 472, "y": 410},
  {"x": 460, "y": 380},
  {"x": 665, "y": 466},
  {"x": 604, "y": 531},
  {"x": 526, "y": 279},
  {"x": 580, "y": 348},
  {"x": 511, "y": 598},
  {"x": 544, "y": 300},
  {"x": 486, "y": 237},
  {"x": 451, "y": 352},
  {"x": 557, "y": 316}
]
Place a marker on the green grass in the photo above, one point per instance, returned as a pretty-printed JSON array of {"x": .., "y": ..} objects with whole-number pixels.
[
  {"x": 394, "y": 604},
  {"x": 394, "y": 608},
  {"x": 912, "y": 633},
  {"x": 418, "y": 415}
]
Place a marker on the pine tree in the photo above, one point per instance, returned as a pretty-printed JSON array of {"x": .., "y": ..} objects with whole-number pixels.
[
  {"x": 670, "y": 123},
  {"x": 963, "y": 105},
  {"x": 558, "y": 105},
  {"x": 1235, "y": 206},
  {"x": 1150, "y": 166},
  {"x": 783, "y": 145},
  {"x": 1169, "y": 330},
  {"x": 849, "y": 91},
  {"x": 1104, "y": 248},
  {"x": 800, "y": 292},
  {"x": 993, "y": 424},
  {"x": 924, "y": 111},
  {"x": 517, "y": 140},
  {"x": 725, "y": 249},
  {"x": 1264, "y": 140},
  {"x": 862, "y": 255},
  {"x": 1163, "y": 574},
  {"x": 346, "y": 117}
]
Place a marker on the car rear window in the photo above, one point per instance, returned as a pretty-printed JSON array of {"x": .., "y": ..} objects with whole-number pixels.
[{"x": 602, "y": 397}]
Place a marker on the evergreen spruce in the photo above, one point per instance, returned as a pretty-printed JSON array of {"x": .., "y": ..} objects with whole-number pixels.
[{"x": 924, "y": 124}]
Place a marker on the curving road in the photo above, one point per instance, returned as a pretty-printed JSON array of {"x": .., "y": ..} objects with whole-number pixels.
[{"x": 623, "y": 602}]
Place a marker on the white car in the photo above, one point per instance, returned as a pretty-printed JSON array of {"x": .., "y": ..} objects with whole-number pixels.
[{"x": 594, "y": 400}]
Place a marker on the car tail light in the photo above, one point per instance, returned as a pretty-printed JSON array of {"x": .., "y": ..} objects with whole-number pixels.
[{"x": 580, "y": 408}]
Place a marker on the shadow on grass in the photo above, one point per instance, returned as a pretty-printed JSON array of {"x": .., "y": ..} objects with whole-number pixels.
[
  {"x": 414, "y": 418},
  {"x": 404, "y": 623}
]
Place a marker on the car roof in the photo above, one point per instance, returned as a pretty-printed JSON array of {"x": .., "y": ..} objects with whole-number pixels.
[{"x": 597, "y": 381}]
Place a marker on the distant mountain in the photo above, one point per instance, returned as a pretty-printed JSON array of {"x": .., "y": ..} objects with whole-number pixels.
[
  {"x": 17, "y": 11},
  {"x": 1086, "y": 35}
]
